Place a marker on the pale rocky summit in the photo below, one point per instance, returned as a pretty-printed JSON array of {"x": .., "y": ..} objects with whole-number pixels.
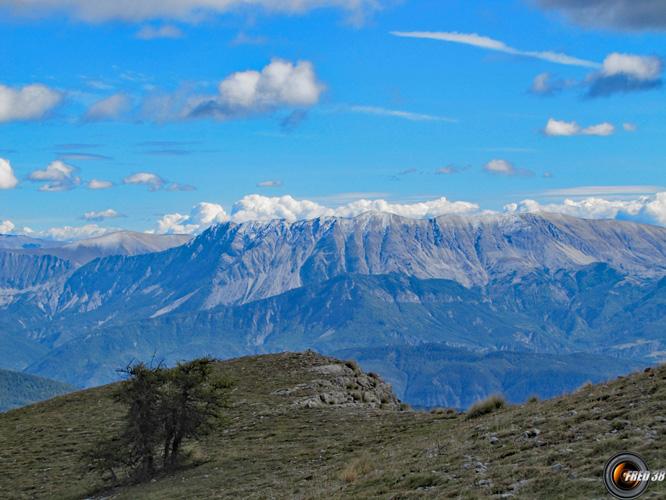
[{"x": 233, "y": 264}]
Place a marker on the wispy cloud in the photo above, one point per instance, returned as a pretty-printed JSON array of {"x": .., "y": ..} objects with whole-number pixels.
[
  {"x": 150, "y": 32},
  {"x": 488, "y": 43},
  {"x": 506, "y": 168},
  {"x": 100, "y": 215},
  {"x": 270, "y": 184},
  {"x": 76, "y": 145},
  {"x": 244, "y": 39},
  {"x": 75, "y": 156},
  {"x": 405, "y": 115},
  {"x": 450, "y": 170},
  {"x": 156, "y": 183},
  {"x": 545, "y": 84},
  {"x": 604, "y": 190},
  {"x": 508, "y": 149},
  {"x": 109, "y": 108},
  {"x": 97, "y": 184}
]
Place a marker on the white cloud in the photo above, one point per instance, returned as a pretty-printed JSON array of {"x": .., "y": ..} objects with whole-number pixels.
[
  {"x": 257, "y": 207},
  {"x": 57, "y": 176},
  {"x": 279, "y": 84},
  {"x": 99, "y": 184},
  {"x": 655, "y": 208},
  {"x": 153, "y": 181},
  {"x": 601, "y": 130},
  {"x": 269, "y": 184},
  {"x": 638, "y": 67},
  {"x": 449, "y": 170},
  {"x": 74, "y": 232},
  {"x": 591, "y": 208},
  {"x": 27, "y": 103},
  {"x": 630, "y": 127},
  {"x": 650, "y": 209},
  {"x": 102, "y": 215},
  {"x": 545, "y": 84},
  {"x": 262, "y": 208},
  {"x": 626, "y": 73},
  {"x": 201, "y": 216},
  {"x": 186, "y": 10},
  {"x": 492, "y": 44},
  {"x": 406, "y": 115},
  {"x": 164, "y": 31},
  {"x": 109, "y": 108},
  {"x": 542, "y": 84},
  {"x": 6, "y": 226},
  {"x": 7, "y": 178},
  {"x": 425, "y": 209},
  {"x": 506, "y": 168},
  {"x": 559, "y": 128}
]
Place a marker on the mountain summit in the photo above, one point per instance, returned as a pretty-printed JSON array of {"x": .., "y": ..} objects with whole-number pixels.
[
  {"x": 233, "y": 264},
  {"x": 448, "y": 309}
]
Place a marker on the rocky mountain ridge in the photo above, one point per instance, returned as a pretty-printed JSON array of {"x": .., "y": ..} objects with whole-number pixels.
[{"x": 519, "y": 285}]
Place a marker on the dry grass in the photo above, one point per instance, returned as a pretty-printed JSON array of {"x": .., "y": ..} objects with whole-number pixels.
[
  {"x": 357, "y": 468},
  {"x": 270, "y": 449},
  {"x": 486, "y": 406}
]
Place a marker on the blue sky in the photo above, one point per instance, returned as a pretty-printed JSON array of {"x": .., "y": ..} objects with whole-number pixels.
[{"x": 362, "y": 115}]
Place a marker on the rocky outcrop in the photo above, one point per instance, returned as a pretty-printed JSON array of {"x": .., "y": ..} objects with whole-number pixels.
[{"x": 342, "y": 384}]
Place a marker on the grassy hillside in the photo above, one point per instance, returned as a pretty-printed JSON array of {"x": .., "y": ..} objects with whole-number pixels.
[
  {"x": 275, "y": 446},
  {"x": 20, "y": 389}
]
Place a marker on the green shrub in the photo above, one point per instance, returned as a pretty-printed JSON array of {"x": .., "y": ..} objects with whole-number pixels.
[{"x": 488, "y": 405}]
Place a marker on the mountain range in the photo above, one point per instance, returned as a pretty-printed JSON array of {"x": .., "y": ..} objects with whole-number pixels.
[
  {"x": 20, "y": 389},
  {"x": 448, "y": 309}
]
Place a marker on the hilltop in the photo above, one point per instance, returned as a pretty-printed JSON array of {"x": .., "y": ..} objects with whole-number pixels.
[{"x": 307, "y": 426}]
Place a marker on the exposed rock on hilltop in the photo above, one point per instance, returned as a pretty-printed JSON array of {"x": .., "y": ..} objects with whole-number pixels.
[{"x": 342, "y": 384}]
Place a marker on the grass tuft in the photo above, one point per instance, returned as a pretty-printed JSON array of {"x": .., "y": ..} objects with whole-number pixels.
[
  {"x": 488, "y": 405},
  {"x": 356, "y": 469}
]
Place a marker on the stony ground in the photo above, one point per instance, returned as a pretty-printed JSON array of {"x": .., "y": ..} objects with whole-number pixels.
[{"x": 307, "y": 426}]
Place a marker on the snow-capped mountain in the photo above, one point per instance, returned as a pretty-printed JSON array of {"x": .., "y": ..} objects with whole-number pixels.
[
  {"x": 374, "y": 286},
  {"x": 232, "y": 264}
]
